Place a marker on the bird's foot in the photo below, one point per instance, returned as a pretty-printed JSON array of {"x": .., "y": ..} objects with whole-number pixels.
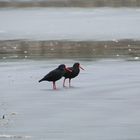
[{"x": 65, "y": 86}]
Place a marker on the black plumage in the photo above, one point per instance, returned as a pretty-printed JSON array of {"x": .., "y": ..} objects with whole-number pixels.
[
  {"x": 70, "y": 75},
  {"x": 55, "y": 75}
]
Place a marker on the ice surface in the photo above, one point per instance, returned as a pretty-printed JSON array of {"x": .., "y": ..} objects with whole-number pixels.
[
  {"x": 103, "y": 103},
  {"x": 70, "y": 23}
]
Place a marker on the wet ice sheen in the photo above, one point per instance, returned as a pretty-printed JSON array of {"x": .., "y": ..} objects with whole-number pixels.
[
  {"x": 70, "y": 23},
  {"x": 102, "y": 105}
]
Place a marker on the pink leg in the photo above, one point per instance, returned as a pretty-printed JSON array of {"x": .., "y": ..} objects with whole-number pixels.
[
  {"x": 54, "y": 86},
  {"x": 69, "y": 82},
  {"x": 64, "y": 82}
]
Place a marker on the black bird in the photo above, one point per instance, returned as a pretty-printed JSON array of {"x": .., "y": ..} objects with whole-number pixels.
[
  {"x": 75, "y": 71},
  {"x": 55, "y": 74}
]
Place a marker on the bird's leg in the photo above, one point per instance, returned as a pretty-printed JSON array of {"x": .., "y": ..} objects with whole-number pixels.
[
  {"x": 54, "y": 86},
  {"x": 64, "y": 82},
  {"x": 69, "y": 82}
]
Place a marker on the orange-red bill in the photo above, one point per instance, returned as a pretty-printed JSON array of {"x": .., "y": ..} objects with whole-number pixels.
[{"x": 81, "y": 68}]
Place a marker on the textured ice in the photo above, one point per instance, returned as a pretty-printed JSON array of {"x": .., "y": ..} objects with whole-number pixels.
[{"x": 102, "y": 105}]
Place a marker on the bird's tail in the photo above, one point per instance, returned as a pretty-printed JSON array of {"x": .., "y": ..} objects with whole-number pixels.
[{"x": 41, "y": 80}]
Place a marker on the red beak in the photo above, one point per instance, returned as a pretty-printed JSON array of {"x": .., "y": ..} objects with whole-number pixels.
[
  {"x": 67, "y": 69},
  {"x": 81, "y": 67}
]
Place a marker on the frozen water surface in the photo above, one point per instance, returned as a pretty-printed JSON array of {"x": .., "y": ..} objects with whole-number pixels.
[
  {"x": 70, "y": 23},
  {"x": 103, "y": 103}
]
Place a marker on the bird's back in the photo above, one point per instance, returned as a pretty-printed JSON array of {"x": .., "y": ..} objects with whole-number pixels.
[
  {"x": 54, "y": 75},
  {"x": 74, "y": 73}
]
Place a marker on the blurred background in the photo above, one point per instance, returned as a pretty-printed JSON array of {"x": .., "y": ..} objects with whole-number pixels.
[
  {"x": 69, "y": 28},
  {"x": 69, "y": 3}
]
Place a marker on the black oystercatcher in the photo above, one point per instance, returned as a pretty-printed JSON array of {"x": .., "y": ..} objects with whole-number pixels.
[
  {"x": 75, "y": 71},
  {"x": 55, "y": 75}
]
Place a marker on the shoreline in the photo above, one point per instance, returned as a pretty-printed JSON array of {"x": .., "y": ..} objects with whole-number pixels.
[
  {"x": 70, "y": 3},
  {"x": 72, "y": 49}
]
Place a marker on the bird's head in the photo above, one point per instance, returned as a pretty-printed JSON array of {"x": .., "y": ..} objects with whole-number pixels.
[{"x": 77, "y": 65}]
